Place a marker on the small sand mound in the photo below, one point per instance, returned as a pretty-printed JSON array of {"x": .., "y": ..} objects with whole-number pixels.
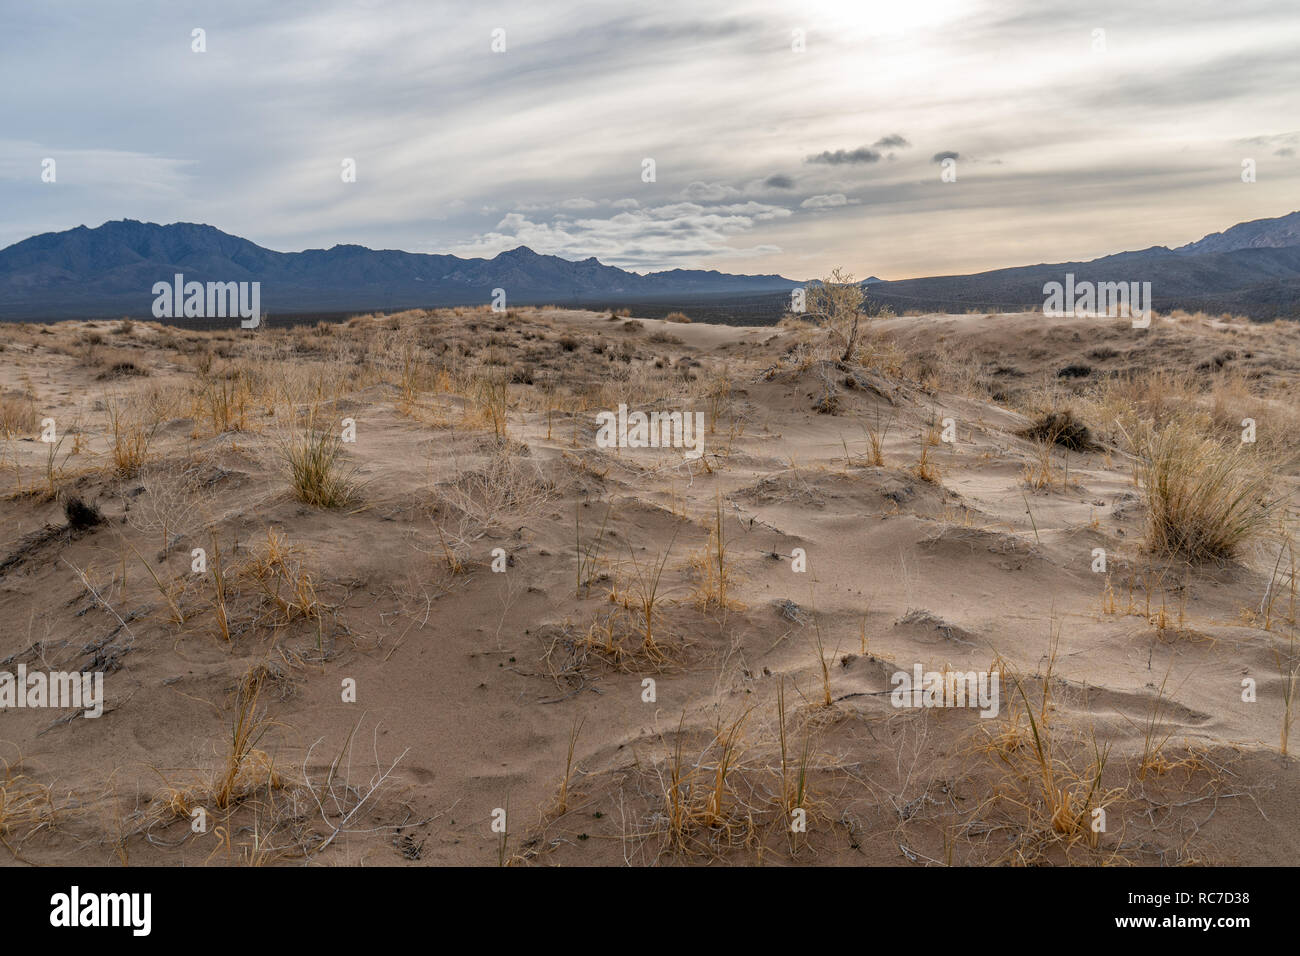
[{"x": 922, "y": 622}]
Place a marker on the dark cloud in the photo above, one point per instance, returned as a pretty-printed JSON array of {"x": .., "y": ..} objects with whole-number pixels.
[
  {"x": 893, "y": 139},
  {"x": 779, "y": 181},
  {"x": 939, "y": 157},
  {"x": 841, "y": 156},
  {"x": 1284, "y": 151}
]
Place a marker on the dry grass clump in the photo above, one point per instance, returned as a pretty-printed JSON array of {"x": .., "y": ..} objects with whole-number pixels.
[
  {"x": 288, "y": 588},
  {"x": 25, "y": 806},
  {"x": 317, "y": 472},
  {"x": 1204, "y": 500},
  {"x": 492, "y": 397},
  {"x": 1055, "y": 780},
  {"x": 223, "y": 401},
  {"x": 925, "y": 467},
  {"x": 246, "y": 768},
  {"x": 1060, "y": 428},
  {"x": 701, "y": 810},
  {"x": 17, "y": 416},
  {"x": 679, "y": 317},
  {"x": 133, "y": 431},
  {"x": 713, "y": 577}
]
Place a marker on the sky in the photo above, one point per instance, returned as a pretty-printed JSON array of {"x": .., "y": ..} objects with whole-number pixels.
[{"x": 786, "y": 137}]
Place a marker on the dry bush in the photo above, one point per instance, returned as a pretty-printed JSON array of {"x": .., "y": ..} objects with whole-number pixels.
[
  {"x": 1204, "y": 500},
  {"x": 679, "y": 317},
  {"x": 836, "y": 303},
  {"x": 1060, "y": 428},
  {"x": 507, "y": 486}
]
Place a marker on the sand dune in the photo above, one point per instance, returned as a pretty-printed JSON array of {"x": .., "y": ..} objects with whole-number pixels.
[{"x": 473, "y": 626}]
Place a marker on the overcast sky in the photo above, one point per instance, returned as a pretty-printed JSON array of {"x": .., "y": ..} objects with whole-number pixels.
[{"x": 767, "y": 159}]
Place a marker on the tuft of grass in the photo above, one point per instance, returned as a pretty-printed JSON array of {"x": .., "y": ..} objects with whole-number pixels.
[
  {"x": 493, "y": 401},
  {"x": 925, "y": 468},
  {"x": 647, "y": 597},
  {"x": 25, "y": 806},
  {"x": 710, "y": 565},
  {"x": 219, "y": 590},
  {"x": 563, "y": 805},
  {"x": 1039, "y": 472},
  {"x": 131, "y": 440},
  {"x": 876, "y": 440},
  {"x": 17, "y": 416},
  {"x": 1056, "y": 788},
  {"x": 1203, "y": 500},
  {"x": 246, "y": 767},
  {"x": 794, "y": 778},
  {"x": 588, "y": 553},
  {"x": 317, "y": 472}
]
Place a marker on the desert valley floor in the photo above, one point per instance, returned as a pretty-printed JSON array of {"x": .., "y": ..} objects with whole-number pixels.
[{"x": 473, "y": 614}]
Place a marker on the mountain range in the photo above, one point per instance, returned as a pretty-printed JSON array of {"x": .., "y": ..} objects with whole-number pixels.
[
  {"x": 110, "y": 271},
  {"x": 1252, "y": 268}
]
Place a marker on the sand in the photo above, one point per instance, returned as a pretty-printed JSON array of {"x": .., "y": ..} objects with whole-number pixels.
[{"x": 396, "y": 700}]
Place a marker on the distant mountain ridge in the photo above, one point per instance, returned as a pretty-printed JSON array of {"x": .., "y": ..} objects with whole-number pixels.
[
  {"x": 110, "y": 271},
  {"x": 1250, "y": 269}
]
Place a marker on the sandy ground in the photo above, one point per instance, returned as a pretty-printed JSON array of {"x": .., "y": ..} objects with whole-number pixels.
[{"x": 379, "y": 694}]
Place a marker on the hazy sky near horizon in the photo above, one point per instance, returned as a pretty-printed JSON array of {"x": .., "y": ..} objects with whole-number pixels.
[{"x": 767, "y": 159}]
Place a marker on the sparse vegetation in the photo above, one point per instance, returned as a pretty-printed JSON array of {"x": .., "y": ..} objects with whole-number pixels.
[{"x": 1204, "y": 501}]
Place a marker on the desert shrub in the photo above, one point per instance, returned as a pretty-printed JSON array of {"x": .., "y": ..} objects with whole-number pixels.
[
  {"x": 124, "y": 369},
  {"x": 1203, "y": 499},
  {"x": 680, "y": 317},
  {"x": 836, "y": 303},
  {"x": 81, "y": 515},
  {"x": 1060, "y": 428}
]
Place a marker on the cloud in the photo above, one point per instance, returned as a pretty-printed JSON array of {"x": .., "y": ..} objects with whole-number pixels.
[
  {"x": 839, "y": 157},
  {"x": 944, "y": 154},
  {"x": 117, "y": 171},
  {"x": 1284, "y": 151},
  {"x": 654, "y": 237},
  {"x": 826, "y": 202},
  {"x": 892, "y": 140},
  {"x": 710, "y": 192},
  {"x": 450, "y": 137}
]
